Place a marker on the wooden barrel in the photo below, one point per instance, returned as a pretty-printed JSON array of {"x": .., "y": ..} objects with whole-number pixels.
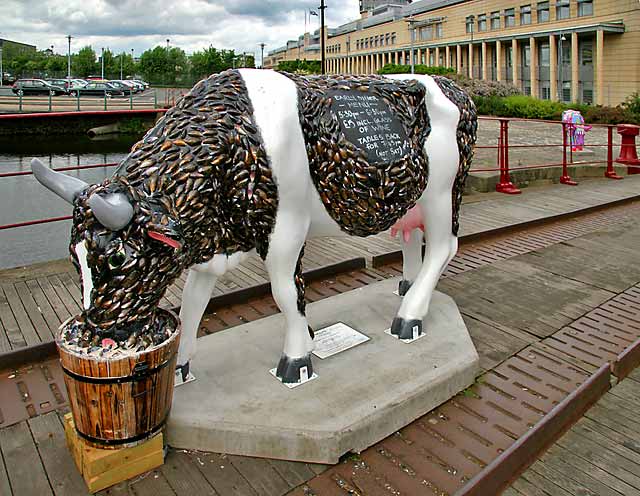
[{"x": 124, "y": 401}]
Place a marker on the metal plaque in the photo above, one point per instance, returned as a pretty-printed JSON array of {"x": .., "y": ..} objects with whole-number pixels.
[{"x": 336, "y": 339}]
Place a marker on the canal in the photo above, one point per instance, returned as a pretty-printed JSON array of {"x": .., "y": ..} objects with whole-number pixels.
[{"x": 22, "y": 198}]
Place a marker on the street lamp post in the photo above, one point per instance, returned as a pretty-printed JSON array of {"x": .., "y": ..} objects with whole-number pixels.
[
  {"x": 262, "y": 45},
  {"x": 560, "y": 69},
  {"x": 1, "y": 69},
  {"x": 411, "y": 22},
  {"x": 121, "y": 62},
  {"x": 69, "y": 58},
  {"x": 102, "y": 60},
  {"x": 322, "y": 47}
]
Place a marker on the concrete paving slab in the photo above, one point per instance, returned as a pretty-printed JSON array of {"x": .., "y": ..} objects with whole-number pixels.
[{"x": 361, "y": 395}]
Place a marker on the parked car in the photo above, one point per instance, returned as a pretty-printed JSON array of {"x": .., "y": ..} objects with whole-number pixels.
[
  {"x": 132, "y": 84},
  {"x": 74, "y": 84},
  {"x": 36, "y": 87},
  {"x": 62, "y": 83},
  {"x": 144, "y": 84},
  {"x": 8, "y": 78},
  {"x": 98, "y": 89},
  {"x": 126, "y": 88}
]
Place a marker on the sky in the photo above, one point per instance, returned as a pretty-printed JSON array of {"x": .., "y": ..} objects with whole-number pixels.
[{"x": 192, "y": 25}]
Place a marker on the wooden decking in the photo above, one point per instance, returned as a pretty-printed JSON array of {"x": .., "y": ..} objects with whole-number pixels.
[
  {"x": 510, "y": 304},
  {"x": 35, "y": 300},
  {"x": 599, "y": 456}
]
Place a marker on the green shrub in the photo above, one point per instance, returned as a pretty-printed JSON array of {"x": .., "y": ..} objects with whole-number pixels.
[
  {"x": 300, "y": 66},
  {"x": 418, "y": 69}
]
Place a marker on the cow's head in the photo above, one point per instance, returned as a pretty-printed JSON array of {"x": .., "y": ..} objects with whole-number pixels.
[{"x": 125, "y": 246}]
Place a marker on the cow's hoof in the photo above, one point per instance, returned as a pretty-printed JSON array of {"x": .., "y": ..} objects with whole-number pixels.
[
  {"x": 184, "y": 371},
  {"x": 294, "y": 370},
  {"x": 404, "y": 287},
  {"x": 406, "y": 329}
]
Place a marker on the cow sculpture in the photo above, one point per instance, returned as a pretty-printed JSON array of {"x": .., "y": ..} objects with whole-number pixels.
[{"x": 256, "y": 160}]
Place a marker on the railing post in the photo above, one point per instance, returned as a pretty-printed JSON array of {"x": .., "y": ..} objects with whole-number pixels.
[
  {"x": 105, "y": 99},
  {"x": 565, "y": 179},
  {"x": 78, "y": 100},
  {"x": 130, "y": 98},
  {"x": 49, "y": 101},
  {"x": 610, "y": 172},
  {"x": 505, "y": 185},
  {"x": 155, "y": 99},
  {"x": 20, "y": 103}
]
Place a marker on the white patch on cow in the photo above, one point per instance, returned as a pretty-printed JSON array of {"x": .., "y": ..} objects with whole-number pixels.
[
  {"x": 274, "y": 98},
  {"x": 85, "y": 273}
]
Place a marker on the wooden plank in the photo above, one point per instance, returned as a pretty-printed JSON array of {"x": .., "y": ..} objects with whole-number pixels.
[
  {"x": 72, "y": 306},
  {"x": 526, "y": 488},
  {"x": 44, "y": 306},
  {"x": 34, "y": 311},
  {"x": 603, "y": 457},
  {"x": 571, "y": 478},
  {"x": 152, "y": 484},
  {"x": 511, "y": 492},
  {"x": 533, "y": 484},
  {"x": 183, "y": 476},
  {"x": 223, "y": 476},
  {"x": 5, "y": 488},
  {"x": 72, "y": 286},
  {"x": 54, "y": 300},
  {"x": 5, "y": 345},
  {"x": 261, "y": 475},
  {"x": 24, "y": 467},
  {"x": 26, "y": 327},
  {"x": 61, "y": 470},
  {"x": 120, "y": 489},
  {"x": 295, "y": 473}
]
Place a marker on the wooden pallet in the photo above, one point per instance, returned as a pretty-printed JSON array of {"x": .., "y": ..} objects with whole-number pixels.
[{"x": 102, "y": 468}]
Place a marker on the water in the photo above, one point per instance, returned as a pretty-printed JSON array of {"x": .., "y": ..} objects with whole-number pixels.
[{"x": 22, "y": 198}]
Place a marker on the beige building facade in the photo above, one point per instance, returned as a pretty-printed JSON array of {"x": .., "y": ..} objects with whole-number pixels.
[{"x": 569, "y": 50}]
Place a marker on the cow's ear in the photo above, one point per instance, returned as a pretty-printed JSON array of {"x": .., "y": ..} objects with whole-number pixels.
[{"x": 163, "y": 238}]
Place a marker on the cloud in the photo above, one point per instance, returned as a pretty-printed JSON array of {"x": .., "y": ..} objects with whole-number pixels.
[{"x": 142, "y": 24}]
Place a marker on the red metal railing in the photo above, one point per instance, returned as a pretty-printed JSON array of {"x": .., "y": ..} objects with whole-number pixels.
[{"x": 504, "y": 185}]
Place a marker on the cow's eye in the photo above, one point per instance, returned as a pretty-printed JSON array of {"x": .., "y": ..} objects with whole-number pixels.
[{"x": 117, "y": 259}]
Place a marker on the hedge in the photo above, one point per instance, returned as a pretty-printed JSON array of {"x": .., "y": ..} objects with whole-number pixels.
[{"x": 418, "y": 69}]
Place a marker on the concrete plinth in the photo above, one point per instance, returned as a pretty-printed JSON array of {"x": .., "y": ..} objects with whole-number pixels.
[{"x": 361, "y": 395}]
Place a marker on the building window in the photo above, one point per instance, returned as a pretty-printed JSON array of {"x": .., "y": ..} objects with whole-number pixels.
[
  {"x": 509, "y": 18},
  {"x": 439, "y": 30},
  {"x": 585, "y": 8},
  {"x": 586, "y": 53},
  {"x": 495, "y": 20},
  {"x": 566, "y": 91},
  {"x": 426, "y": 33},
  {"x": 543, "y": 11},
  {"x": 393, "y": 38},
  {"x": 545, "y": 92},
  {"x": 387, "y": 37},
  {"x": 525, "y": 14},
  {"x": 562, "y": 9},
  {"x": 469, "y": 23},
  {"x": 482, "y": 22},
  {"x": 544, "y": 55}
]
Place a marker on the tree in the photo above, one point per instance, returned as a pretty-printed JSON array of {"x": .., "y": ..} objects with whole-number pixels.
[
  {"x": 162, "y": 66},
  {"x": 84, "y": 62}
]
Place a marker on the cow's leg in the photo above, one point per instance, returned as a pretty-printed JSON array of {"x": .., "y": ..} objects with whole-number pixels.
[
  {"x": 196, "y": 295},
  {"x": 441, "y": 248},
  {"x": 411, "y": 260},
  {"x": 283, "y": 263}
]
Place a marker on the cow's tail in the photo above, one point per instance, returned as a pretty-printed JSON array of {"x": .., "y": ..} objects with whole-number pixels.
[{"x": 466, "y": 137}]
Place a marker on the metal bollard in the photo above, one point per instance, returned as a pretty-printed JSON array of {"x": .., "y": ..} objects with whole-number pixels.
[
  {"x": 505, "y": 185},
  {"x": 610, "y": 172},
  {"x": 565, "y": 178}
]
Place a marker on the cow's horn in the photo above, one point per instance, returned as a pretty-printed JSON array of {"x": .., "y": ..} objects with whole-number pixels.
[
  {"x": 62, "y": 185},
  {"x": 113, "y": 211}
]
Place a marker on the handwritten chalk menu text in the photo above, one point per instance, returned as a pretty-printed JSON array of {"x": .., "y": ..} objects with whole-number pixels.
[{"x": 368, "y": 122}]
